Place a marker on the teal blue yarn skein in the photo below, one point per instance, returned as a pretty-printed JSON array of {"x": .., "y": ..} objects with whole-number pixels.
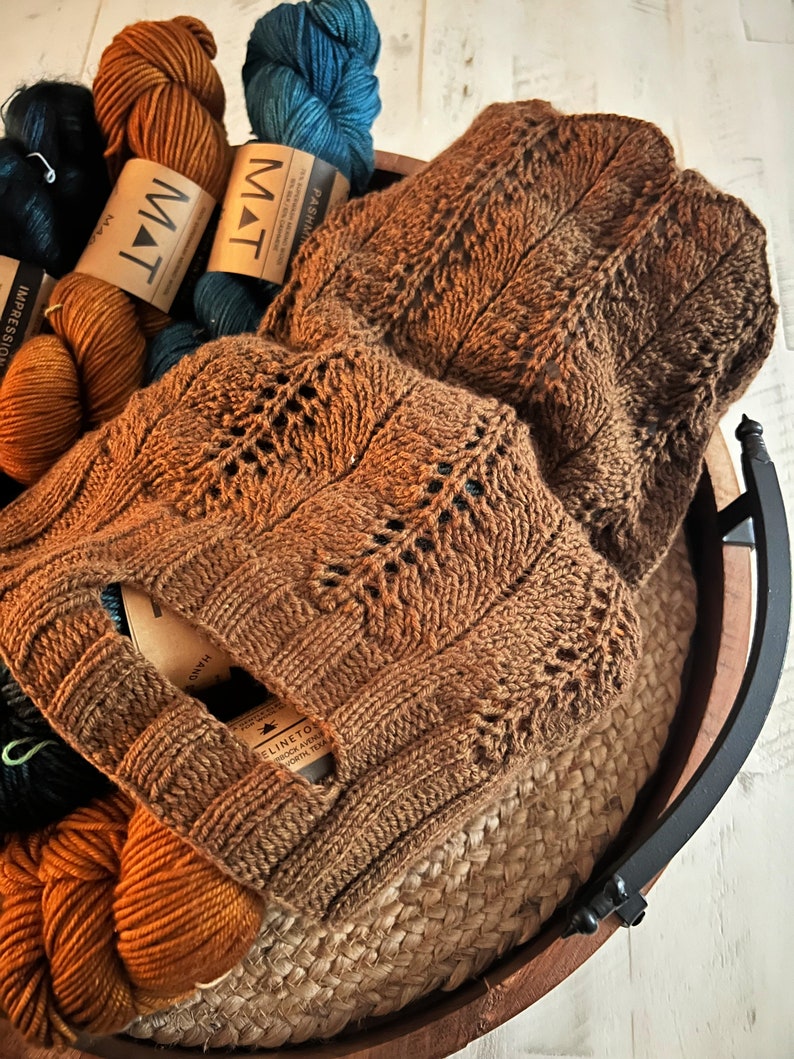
[{"x": 309, "y": 84}]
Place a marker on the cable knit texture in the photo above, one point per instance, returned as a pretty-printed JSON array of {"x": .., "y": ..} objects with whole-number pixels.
[{"x": 563, "y": 264}]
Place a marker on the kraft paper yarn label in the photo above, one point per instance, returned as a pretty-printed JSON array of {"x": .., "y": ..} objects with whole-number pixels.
[
  {"x": 281, "y": 734},
  {"x": 182, "y": 654},
  {"x": 24, "y": 290},
  {"x": 191, "y": 662},
  {"x": 148, "y": 232},
  {"x": 275, "y": 198}
]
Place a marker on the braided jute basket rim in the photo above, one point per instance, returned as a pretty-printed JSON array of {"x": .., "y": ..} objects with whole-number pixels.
[{"x": 485, "y": 989}]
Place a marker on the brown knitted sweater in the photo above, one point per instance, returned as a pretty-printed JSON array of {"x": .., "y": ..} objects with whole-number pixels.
[
  {"x": 438, "y": 578},
  {"x": 378, "y": 548}
]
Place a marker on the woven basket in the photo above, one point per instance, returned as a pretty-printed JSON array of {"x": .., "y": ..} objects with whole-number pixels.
[{"x": 405, "y": 976}]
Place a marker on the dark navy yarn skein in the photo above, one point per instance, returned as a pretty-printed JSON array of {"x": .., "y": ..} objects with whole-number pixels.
[
  {"x": 41, "y": 777},
  {"x": 309, "y": 84},
  {"x": 50, "y": 128}
]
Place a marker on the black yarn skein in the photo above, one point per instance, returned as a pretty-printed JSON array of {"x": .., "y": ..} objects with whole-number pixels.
[
  {"x": 53, "y": 781},
  {"x": 53, "y": 178},
  {"x": 53, "y": 183}
]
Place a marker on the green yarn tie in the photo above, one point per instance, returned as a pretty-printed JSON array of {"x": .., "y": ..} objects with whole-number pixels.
[{"x": 7, "y": 759}]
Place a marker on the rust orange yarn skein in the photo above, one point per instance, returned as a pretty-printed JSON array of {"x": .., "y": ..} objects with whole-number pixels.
[
  {"x": 108, "y": 915},
  {"x": 157, "y": 96}
]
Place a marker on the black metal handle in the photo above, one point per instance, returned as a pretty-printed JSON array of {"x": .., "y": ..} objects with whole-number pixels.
[{"x": 757, "y": 518}]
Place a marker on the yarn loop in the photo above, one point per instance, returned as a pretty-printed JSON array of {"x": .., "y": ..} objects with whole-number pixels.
[
  {"x": 7, "y": 756},
  {"x": 49, "y": 172}
]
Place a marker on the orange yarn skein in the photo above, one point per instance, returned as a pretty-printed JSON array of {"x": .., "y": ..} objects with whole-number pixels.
[
  {"x": 157, "y": 96},
  {"x": 108, "y": 915}
]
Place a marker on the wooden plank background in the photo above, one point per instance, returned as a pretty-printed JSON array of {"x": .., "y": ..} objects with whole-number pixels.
[{"x": 707, "y": 973}]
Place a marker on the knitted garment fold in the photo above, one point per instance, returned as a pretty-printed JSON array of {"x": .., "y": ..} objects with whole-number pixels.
[
  {"x": 564, "y": 265},
  {"x": 376, "y": 547}
]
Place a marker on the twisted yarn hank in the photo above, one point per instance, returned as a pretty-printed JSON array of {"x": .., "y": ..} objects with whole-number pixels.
[
  {"x": 50, "y": 131},
  {"x": 109, "y": 915},
  {"x": 46, "y": 220},
  {"x": 157, "y": 96},
  {"x": 309, "y": 84},
  {"x": 41, "y": 777}
]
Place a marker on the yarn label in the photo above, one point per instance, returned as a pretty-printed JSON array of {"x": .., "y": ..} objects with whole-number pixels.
[
  {"x": 148, "y": 232},
  {"x": 283, "y": 736},
  {"x": 24, "y": 290},
  {"x": 183, "y": 655},
  {"x": 275, "y": 198}
]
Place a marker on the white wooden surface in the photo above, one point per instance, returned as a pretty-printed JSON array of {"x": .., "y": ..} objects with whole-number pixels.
[{"x": 707, "y": 975}]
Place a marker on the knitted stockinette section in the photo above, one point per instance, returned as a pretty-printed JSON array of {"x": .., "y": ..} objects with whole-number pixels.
[
  {"x": 375, "y": 547},
  {"x": 474, "y": 897},
  {"x": 566, "y": 266},
  {"x": 157, "y": 96}
]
